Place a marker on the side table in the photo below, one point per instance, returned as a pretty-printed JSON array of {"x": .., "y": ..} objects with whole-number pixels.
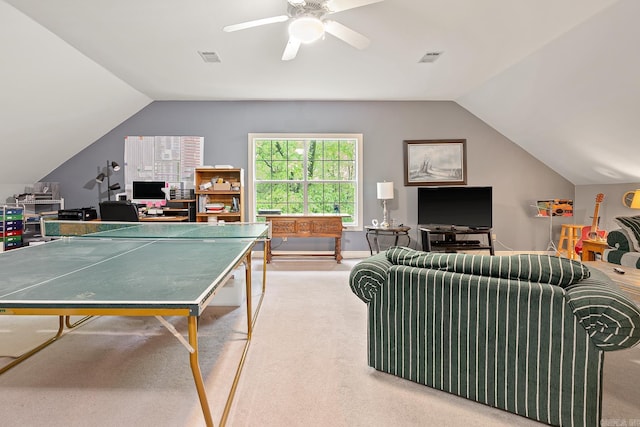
[
  {"x": 591, "y": 247},
  {"x": 396, "y": 232}
]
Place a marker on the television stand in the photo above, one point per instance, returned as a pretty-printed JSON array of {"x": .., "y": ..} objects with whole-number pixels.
[{"x": 446, "y": 240}]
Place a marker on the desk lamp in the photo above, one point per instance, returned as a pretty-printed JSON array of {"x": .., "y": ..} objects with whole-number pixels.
[
  {"x": 385, "y": 192},
  {"x": 101, "y": 175}
]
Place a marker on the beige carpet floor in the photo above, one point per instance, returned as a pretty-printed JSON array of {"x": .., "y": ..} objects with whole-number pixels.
[{"x": 306, "y": 366}]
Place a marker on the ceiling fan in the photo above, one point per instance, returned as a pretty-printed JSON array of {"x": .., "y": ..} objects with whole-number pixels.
[{"x": 309, "y": 23}]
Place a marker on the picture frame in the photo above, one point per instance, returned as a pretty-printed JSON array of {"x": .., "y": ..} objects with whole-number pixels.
[{"x": 435, "y": 162}]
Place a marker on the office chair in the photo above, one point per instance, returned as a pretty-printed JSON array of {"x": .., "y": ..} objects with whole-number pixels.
[{"x": 118, "y": 211}]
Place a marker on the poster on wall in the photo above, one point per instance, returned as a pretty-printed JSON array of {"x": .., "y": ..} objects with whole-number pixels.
[
  {"x": 555, "y": 207},
  {"x": 171, "y": 159}
]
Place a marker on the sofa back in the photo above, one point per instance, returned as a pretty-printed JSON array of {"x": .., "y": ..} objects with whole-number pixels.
[{"x": 536, "y": 268}]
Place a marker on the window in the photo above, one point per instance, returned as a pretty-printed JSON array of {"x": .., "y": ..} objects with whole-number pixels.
[{"x": 306, "y": 174}]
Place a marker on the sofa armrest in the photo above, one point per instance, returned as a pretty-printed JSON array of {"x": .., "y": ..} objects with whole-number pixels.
[
  {"x": 368, "y": 276},
  {"x": 611, "y": 319},
  {"x": 619, "y": 240}
]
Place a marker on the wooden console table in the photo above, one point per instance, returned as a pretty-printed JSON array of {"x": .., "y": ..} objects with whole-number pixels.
[{"x": 306, "y": 226}]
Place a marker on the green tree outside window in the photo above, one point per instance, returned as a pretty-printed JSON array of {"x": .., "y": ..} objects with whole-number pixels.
[{"x": 306, "y": 176}]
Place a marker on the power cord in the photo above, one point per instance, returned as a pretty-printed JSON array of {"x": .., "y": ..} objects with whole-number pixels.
[{"x": 503, "y": 245}]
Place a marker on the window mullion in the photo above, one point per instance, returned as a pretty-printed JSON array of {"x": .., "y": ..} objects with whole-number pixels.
[{"x": 305, "y": 178}]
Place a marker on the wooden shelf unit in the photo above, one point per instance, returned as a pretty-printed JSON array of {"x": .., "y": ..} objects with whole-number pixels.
[
  {"x": 181, "y": 207},
  {"x": 235, "y": 175}
]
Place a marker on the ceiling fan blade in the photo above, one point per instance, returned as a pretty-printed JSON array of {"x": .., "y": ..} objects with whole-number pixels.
[
  {"x": 346, "y": 34},
  {"x": 256, "y": 23},
  {"x": 335, "y": 6},
  {"x": 291, "y": 50}
]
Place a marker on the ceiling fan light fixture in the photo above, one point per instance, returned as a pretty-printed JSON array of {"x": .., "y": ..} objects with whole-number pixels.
[{"x": 306, "y": 29}]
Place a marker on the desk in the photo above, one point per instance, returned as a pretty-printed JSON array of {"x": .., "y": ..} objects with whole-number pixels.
[
  {"x": 396, "y": 232},
  {"x": 592, "y": 247},
  {"x": 164, "y": 218},
  {"x": 306, "y": 226},
  {"x": 129, "y": 269}
]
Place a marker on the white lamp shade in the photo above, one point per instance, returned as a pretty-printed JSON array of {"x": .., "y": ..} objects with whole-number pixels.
[
  {"x": 635, "y": 202},
  {"x": 385, "y": 190}
]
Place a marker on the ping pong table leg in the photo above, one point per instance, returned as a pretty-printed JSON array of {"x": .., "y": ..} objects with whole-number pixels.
[
  {"x": 264, "y": 267},
  {"x": 195, "y": 369},
  {"x": 33, "y": 351},
  {"x": 76, "y": 323},
  {"x": 247, "y": 273}
]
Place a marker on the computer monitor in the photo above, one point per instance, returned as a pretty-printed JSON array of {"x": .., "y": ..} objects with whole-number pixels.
[{"x": 149, "y": 192}]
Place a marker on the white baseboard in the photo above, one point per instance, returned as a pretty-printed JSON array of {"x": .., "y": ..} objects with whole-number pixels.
[
  {"x": 345, "y": 254},
  {"x": 366, "y": 254}
]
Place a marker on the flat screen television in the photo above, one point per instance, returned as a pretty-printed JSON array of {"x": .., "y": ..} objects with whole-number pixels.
[
  {"x": 148, "y": 191},
  {"x": 455, "y": 206}
]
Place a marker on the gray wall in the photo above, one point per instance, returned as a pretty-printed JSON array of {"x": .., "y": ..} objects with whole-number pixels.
[{"x": 517, "y": 178}]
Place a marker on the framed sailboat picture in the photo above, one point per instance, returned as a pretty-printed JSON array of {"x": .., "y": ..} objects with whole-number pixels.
[{"x": 435, "y": 162}]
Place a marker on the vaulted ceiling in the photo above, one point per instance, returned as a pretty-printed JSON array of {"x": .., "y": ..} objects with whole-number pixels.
[{"x": 559, "y": 78}]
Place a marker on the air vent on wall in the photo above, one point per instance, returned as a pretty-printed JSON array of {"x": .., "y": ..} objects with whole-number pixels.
[
  {"x": 209, "y": 56},
  {"x": 430, "y": 57}
]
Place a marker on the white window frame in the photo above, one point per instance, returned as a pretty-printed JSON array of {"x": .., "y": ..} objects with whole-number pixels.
[{"x": 251, "y": 194}]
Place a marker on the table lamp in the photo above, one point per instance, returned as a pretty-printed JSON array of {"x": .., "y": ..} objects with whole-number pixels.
[
  {"x": 385, "y": 192},
  {"x": 635, "y": 202},
  {"x": 631, "y": 199}
]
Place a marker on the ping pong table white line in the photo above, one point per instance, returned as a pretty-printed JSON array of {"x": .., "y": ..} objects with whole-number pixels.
[
  {"x": 35, "y": 285},
  {"x": 197, "y": 300},
  {"x": 164, "y": 239},
  {"x": 140, "y": 226}
]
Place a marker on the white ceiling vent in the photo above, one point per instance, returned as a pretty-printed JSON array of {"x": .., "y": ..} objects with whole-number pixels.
[
  {"x": 430, "y": 57},
  {"x": 209, "y": 56}
]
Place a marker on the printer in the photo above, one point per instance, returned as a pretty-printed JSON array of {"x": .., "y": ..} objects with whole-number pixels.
[{"x": 81, "y": 214}]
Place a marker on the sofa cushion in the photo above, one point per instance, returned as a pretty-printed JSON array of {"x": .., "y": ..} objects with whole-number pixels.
[
  {"x": 531, "y": 267},
  {"x": 401, "y": 255},
  {"x": 619, "y": 239},
  {"x": 631, "y": 224}
]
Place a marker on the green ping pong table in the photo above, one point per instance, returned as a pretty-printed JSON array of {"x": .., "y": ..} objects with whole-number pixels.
[{"x": 130, "y": 269}]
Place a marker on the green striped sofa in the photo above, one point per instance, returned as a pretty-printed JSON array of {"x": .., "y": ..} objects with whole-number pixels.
[
  {"x": 622, "y": 249},
  {"x": 524, "y": 333}
]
